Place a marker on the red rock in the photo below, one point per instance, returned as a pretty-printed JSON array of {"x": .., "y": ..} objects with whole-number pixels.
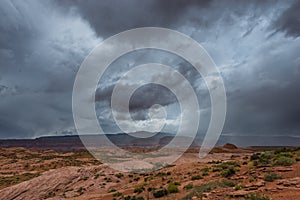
[{"x": 230, "y": 146}]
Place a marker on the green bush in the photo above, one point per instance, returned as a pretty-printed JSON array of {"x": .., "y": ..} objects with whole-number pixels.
[
  {"x": 119, "y": 175},
  {"x": 117, "y": 194},
  {"x": 216, "y": 169},
  {"x": 177, "y": 183},
  {"x": 160, "y": 193},
  {"x": 239, "y": 187},
  {"x": 286, "y": 154},
  {"x": 188, "y": 186},
  {"x": 133, "y": 198},
  {"x": 205, "y": 170},
  {"x": 227, "y": 183},
  {"x": 112, "y": 190},
  {"x": 196, "y": 177},
  {"x": 207, "y": 187},
  {"x": 254, "y": 156},
  {"x": 225, "y": 165},
  {"x": 172, "y": 188},
  {"x": 265, "y": 158},
  {"x": 136, "y": 179},
  {"x": 228, "y": 172},
  {"x": 283, "y": 161},
  {"x": 139, "y": 189},
  {"x": 250, "y": 165},
  {"x": 256, "y": 197},
  {"x": 270, "y": 177}
]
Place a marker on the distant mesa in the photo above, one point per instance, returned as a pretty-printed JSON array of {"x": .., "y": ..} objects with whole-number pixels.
[{"x": 229, "y": 146}]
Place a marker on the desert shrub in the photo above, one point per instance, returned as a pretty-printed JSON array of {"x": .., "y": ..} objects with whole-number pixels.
[
  {"x": 136, "y": 179},
  {"x": 228, "y": 172},
  {"x": 11, "y": 180},
  {"x": 139, "y": 189},
  {"x": 284, "y": 149},
  {"x": 227, "y": 183},
  {"x": 287, "y": 154},
  {"x": 207, "y": 187},
  {"x": 128, "y": 197},
  {"x": 188, "y": 186},
  {"x": 226, "y": 165},
  {"x": 256, "y": 197},
  {"x": 177, "y": 183},
  {"x": 265, "y": 158},
  {"x": 270, "y": 177},
  {"x": 117, "y": 194},
  {"x": 196, "y": 177},
  {"x": 84, "y": 178},
  {"x": 233, "y": 163},
  {"x": 254, "y": 156},
  {"x": 50, "y": 195},
  {"x": 160, "y": 174},
  {"x": 172, "y": 188},
  {"x": 160, "y": 193},
  {"x": 112, "y": 190},
  {"x": 119, "y": 175},
  {"x": 80, "y": 190},
  {"x": 26, "y": 166},
  {"x": 205, "y": 174},
  {"x": 251, "y": 179},
  {"x": 283, "y": 161},
  {"x": 107, "y": 179},
  {"x": 216, "y": 169},
  {"x": 238, "y": 187},
  {"x": 133, "y": 198},
  {"x": 206, "y": 169},
  {"x": 262, "y": 159}
]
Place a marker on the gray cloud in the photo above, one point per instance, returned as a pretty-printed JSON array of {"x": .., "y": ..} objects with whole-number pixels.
[
  {"x": 41, "y": 49},
  {"x": 255, "y": 44},
  {"x": 289, "y": 21},
  {"x": 111, "y": 17}
]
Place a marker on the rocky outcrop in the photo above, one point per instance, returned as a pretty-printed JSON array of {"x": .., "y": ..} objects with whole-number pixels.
[
  {"x": 292, "y": 182},
  {"x": 229, "y": 146},
  {"x": 51, "y": 183}
]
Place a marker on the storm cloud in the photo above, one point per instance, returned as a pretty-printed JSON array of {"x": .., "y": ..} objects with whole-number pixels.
[{"x": 255, "y": 45}]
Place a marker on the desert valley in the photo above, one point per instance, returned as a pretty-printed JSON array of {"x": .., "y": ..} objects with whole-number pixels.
[{"x": 228, "y": 172}]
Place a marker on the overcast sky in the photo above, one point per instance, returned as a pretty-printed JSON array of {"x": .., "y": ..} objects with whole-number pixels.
[{"x": 255, "y": 44}]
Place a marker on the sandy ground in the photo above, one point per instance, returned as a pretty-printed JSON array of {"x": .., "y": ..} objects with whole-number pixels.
[{"x": 30, "y": 175}]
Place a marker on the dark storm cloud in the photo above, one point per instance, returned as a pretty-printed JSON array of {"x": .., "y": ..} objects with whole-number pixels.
[
  {"x": 41, "y": 49},
  {"x": 42, "y": 44},
  {"x": 289, "y": 20},
  {"x": 266, "y": 101},
  {"x": 111, "y": 17}
]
